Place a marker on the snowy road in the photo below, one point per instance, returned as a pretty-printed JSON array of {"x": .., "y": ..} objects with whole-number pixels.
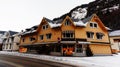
[
  {"x": 15, "y": 61},
  {"x": 95, "y": 61}
]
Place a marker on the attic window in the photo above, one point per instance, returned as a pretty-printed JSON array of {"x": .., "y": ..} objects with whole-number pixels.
[
  {"x": 44, "y": 27},
  {"x": 67, "y": 23},
  {"x": 93, "y": 25}
]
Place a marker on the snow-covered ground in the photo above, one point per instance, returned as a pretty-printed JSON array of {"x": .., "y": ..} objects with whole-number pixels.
[{"x": 95, "y": 61}]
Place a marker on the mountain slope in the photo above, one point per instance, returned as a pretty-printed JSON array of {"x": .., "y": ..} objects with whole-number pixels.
[{"x": 107, "y": 10}]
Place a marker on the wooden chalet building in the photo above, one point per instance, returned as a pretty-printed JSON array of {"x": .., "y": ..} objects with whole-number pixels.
[{"x": 86, "y": 37}]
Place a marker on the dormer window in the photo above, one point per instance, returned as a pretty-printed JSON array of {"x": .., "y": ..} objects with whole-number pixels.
[
  {"x": 67, "y": 23},
  {"x": 93, "y": 25},
  {"x": 44, "y": 27}
]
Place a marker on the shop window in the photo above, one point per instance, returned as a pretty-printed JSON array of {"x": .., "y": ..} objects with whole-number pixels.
[{"x": 79, "y": 48}]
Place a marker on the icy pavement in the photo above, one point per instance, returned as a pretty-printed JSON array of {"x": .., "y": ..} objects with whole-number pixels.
[{"x": 95, "y": 61}]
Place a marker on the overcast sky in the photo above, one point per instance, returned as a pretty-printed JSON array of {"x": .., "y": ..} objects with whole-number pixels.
[{"x": 18, "y": 15}]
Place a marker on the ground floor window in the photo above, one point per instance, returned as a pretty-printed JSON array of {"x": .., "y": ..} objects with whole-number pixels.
[
  {"x": 56, "y": 48},
  {"x": 79, "y": 48}
]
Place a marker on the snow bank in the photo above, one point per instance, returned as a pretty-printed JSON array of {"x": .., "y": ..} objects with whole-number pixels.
[{"x": 96, "y": 61}]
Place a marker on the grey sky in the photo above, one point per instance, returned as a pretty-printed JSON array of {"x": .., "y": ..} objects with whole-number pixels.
[{"x": 18, "y": 15}]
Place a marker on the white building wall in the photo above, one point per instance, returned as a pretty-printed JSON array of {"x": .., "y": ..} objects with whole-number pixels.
[{"x": 115, "y": 45}]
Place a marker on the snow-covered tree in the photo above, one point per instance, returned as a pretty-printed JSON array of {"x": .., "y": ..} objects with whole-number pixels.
[{"x": 79, "y": 13}]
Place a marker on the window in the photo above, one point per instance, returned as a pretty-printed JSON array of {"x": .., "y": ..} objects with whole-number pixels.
[
  {"x": 99, "y": 35},
  {"x": 41, "y": 37},
  {"x": 68, "y": 34},
  {"x": 67, "y": 23},
  {"x": 93, "y": 25},
  {"x": 79, "y": 48},
  {"x": 10, "y": 46},
  {"x": 48, "y": 36},
  {"x": 44, "y": 27},
  {"x": 90, "y": 34},
  {"x": 23, "y": 40},
  {"x": 32, "y": 38}
]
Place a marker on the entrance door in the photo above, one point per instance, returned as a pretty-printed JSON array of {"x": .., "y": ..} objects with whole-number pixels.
[{"x": 80, "y": 50}]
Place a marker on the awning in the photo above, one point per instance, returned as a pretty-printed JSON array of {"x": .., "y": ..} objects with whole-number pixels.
[{"x": 82, "y": 42}]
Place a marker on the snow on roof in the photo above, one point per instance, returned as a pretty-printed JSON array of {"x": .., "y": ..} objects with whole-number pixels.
[
  {"x": 115, "y": 33},
  {"x": 79, "y": 23},
  {"x": 108, "y": 28},
  {"x": 54, "y": 25},
  {"x": 28, "y": 32}
]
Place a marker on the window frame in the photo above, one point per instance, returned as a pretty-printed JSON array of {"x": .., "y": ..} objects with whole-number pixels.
[
  {"x": 41, "y": 37},
  {"x": 91, "y": 35},
  {"x": 65, "y": 34},
  {"x": 93, "y": 25},
  {"x": 67, "y": 23},
  {"x": 48, "y": 36},
  {"x": 100, "y": 37},
  {"x": 44, "y": 27},
  {"x": 23, "y": 39}
]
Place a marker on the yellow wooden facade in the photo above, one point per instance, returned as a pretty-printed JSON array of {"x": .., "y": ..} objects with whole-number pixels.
[{"x": 97, "y": 46}]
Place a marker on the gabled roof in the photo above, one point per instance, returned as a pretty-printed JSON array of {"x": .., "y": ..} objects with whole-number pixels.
[
  {"x": 2, "y": 32},
  {"x": 52, "y": 24},
  {"x": 85, "y": 20},
  {"x": 12, "y": 32},
  {"x": 30, "y": 30}
]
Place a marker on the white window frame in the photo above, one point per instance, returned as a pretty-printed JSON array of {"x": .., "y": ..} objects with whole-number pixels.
[
  {"x": 44, "y": 27},
  {"x": 91, "y": 35},
  {"x": 68, "y": 32},
  {"x": 48, "y": 36},
  {"x": 67, "y": 23},
  {"x": 93, "y": 25}
]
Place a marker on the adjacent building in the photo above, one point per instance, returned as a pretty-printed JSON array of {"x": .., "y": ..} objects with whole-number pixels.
[
  {"x": 1, "y": 39},
  {"x": 68, "y": 36},
  {"x": 9, "y": 41},
  {"x": 115, "y": 40}
]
